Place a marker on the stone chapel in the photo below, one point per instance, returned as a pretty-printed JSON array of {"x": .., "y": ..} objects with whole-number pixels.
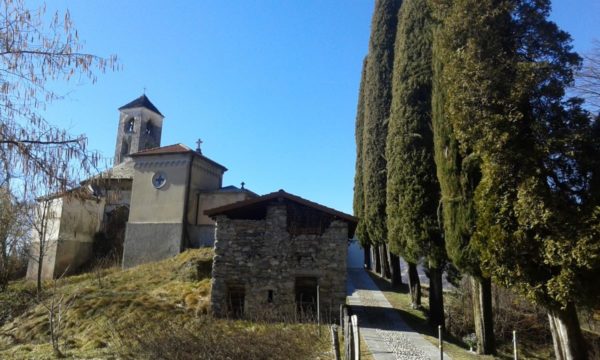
[{"x": 150, "y": 204}]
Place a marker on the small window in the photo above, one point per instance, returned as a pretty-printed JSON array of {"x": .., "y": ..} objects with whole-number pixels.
[
  {"x": 129, "y": 125},
  {"x": 149, "y": 128},
  {"x": 270, "y": 296}
]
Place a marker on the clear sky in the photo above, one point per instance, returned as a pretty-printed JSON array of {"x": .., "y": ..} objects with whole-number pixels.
[{"x": 270, "y": 86}]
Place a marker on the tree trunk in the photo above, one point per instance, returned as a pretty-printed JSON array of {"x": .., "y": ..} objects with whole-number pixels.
[
  {"x": 377, "y": 267},
  {"x": 436, "y": 298},
  {"x": 566, "y": 334},
  {"x": 385, "y": 265},
  {"x": 482, "y": 315},
  {"x": 39, "y": 273},
  {"x": 395, "y": 269},
  {"x": 367, "y": 256},
  {"x": 414, "y": 284}
]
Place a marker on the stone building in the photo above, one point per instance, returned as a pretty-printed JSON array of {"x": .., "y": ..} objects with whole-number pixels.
[
  {"x": 149, "y": 205},
  {"x": 273, "y": 253}
]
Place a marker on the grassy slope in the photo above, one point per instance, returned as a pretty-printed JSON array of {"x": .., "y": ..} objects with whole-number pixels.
[{"x": 149, "y": 298}]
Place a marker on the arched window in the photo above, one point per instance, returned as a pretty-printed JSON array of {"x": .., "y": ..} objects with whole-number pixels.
[
  {"x": 149, "y": 128},
  {"x": 129, "y": 125}
]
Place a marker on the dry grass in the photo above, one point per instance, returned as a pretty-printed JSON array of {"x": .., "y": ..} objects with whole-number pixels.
[{"x": 149, "y": 299}]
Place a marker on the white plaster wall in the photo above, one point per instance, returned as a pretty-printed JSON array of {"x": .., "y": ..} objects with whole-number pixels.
[
  {"x": 211, "y": 200},
  {"x": 80, "y": 219},
  {"x": 53, "y": 219},
  {"x": 164, "y": 205},
  {"x": 205, "y": 177}
]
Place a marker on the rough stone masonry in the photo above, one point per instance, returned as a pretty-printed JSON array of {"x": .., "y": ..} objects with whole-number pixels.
[{"x": 267, "y": 257}]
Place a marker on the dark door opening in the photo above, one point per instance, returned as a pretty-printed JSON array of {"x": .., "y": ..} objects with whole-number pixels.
[
  {"x": 235, "y": 301},
  {"x": 306, "y": 296}
]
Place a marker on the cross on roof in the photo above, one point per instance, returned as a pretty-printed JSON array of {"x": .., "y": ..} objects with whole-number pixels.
[
  {"x": 199, "y": 143},
  {"x": 243, "y": 183}
]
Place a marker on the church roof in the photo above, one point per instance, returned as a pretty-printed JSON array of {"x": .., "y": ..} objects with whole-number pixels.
[
  {"x": 122, "y": 171},
  {"x": 233, "y": 189},
  {"x": 259, "y": 204},
  {"x": 142, "y": 101},
  {"x": 176, "y": 149}
]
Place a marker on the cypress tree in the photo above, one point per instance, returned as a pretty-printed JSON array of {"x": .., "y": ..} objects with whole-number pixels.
[
  {"x": 536, "y": 204},
  {"x": 359, "y": 196},
  {"x": 378, "y": 95},
  {"x": 412, "y": 187},
  {"x": 458, "y": 170}
]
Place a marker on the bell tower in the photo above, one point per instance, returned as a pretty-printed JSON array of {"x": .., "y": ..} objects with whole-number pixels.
[{"x": 140, "y": 128}]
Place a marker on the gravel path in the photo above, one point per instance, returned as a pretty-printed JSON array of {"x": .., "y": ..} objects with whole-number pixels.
[{"x": 385, "y": 332}]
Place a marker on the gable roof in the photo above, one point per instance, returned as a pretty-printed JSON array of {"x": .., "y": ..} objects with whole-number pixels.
[
  {"x": 169, "y": 149},
  {"x": 264, "y": 200},
  {"x": 235, "y": 189},
  {"x": 142, "y": 101},
  {"x": 175, "y": 149},
  {"x": 122, "y": 171}
]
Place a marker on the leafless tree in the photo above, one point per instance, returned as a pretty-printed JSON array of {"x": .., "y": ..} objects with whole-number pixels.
[
  {"x": 38, "y": 158},
  {"x": 44, "y": 227},
  {"x": 32, "y": 54},
  {"x": 13, "y": 235},
  {"x": 588, "y": 78},
  {"x": 57, "y": 303}
]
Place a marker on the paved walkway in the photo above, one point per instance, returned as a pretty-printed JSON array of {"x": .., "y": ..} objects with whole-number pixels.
[{"x": 386, "y": 334}]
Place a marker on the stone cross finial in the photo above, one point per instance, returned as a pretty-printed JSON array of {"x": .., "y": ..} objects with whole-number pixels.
[
  {"x": 243, "y": 183},
  {"x": 199, "y": 143}
]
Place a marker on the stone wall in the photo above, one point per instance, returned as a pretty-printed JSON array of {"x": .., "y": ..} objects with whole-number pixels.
[{"x": 260, "y": 256}]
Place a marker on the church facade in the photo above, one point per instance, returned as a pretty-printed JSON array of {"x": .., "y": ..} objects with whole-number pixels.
[{"x": 150, "y": 205}]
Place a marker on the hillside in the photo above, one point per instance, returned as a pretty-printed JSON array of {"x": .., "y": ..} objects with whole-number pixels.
[{"x": 156, "y": 310}]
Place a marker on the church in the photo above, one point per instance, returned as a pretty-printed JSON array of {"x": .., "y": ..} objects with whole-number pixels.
[
  {"x": 277, "y": 252},
  {"x": 149, "y": 206}
]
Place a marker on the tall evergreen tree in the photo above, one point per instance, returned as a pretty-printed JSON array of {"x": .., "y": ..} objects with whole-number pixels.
[
  {"x": 377, "y": 99},
  {"x": 412, "y": 186},
  {"x": 458, "y": 168},
  {"x": 537, "y": 202},
  {"x": 359, "y": 196}
]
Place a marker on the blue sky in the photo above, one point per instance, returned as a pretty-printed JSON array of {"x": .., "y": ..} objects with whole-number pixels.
[{"x": 270, "y": 86}]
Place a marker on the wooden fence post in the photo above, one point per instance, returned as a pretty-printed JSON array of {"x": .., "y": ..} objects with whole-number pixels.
[
  {"x": 515, "y": 354},
  {"x": 335, "y": 342},
  {"x": 356, "y": 337},
  {"x": 441, "y": 343},
  {"x": 347, "y": 335}
]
